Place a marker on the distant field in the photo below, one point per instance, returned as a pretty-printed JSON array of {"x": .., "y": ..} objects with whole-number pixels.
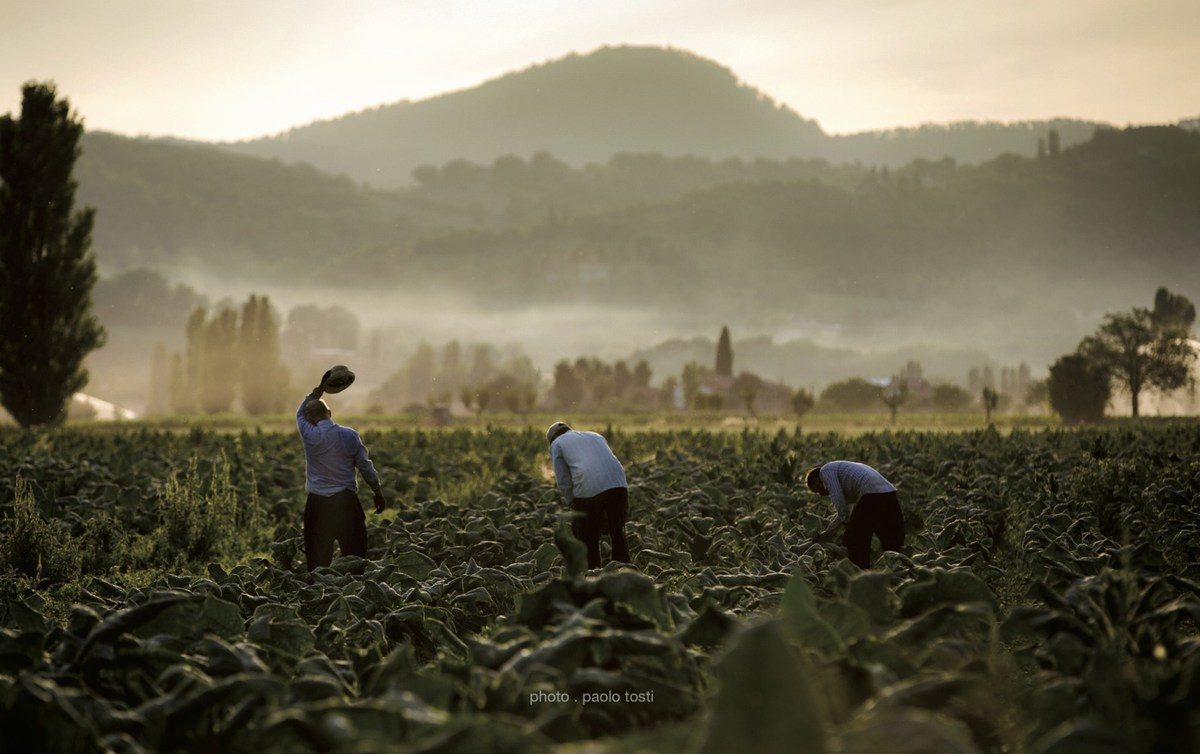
[{"x": 850, "y": 423}]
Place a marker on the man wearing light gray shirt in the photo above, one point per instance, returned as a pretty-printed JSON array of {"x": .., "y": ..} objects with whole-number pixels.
[
  {"x": 865, "y": 502},
  {"x": 592, "y": 482}
]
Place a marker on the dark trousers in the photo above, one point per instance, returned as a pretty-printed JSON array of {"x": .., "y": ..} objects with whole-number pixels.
[
  {"x": 336, "y": 517},
  {"x": 603, "y": 513},
  {"x": 877, "y": 514}
]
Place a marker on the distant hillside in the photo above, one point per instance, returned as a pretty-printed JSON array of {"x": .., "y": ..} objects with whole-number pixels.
[
  {"x": 966, "y": 141},
  {"x": 586, "y": 108},
  {"x": 581, "y": 108},
  {"x": 1022, "y": 252},
  {"x": 174, "y": 206},
  {"x": 1017, "y": 250}
]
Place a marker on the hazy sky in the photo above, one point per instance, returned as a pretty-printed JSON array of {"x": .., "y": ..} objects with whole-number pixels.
[{"x": 219, "y": 69}]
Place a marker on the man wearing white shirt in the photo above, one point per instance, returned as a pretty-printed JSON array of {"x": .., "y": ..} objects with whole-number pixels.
[
  {"x": 592, "y": 482},
  {"x": 865, "y": 502}
]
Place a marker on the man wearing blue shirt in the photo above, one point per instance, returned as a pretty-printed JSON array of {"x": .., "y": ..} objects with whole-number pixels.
[
  {"x": 332, "y": 453},
  {"x": 592, "y": 482}
]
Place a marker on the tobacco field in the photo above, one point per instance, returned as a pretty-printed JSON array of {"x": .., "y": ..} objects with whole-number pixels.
[{"x": 155, "y": 598}]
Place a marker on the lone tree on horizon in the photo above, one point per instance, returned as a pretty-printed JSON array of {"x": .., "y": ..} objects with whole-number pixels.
[
  {"x": 1138, "y": 354},
  {"x": 46, "y": 269},
  {"x": 990, "y": 401},
  {"x": 894, "y": 396},
  {"x": 725, "y": 354}
]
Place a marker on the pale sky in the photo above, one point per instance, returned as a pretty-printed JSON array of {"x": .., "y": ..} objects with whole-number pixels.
[{"x": 219, "y": 69}]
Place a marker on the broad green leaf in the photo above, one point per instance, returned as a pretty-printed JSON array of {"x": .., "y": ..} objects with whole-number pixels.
[
  {"x": 941, "y": 587},
  {"x": 804, "y": 620},
  {"x": 414, "y": 564},
  {"x": 574, "y": 552},
  {"x": 764, "y": 704}
]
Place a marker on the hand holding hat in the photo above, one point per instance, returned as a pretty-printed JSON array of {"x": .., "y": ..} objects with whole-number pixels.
[{"x": 337, "y": 379}]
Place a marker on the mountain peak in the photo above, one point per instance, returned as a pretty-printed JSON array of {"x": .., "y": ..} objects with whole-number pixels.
[{"x": 581, "y": 107}]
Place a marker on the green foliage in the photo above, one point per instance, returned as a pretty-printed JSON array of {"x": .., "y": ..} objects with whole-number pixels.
[
  {"x": 947, "y": 397},
  {"x": 802, "y": 402},
  {"x": 46, "y": 269},
  {"x": 228, "y": 356},
  {"x": 33, "y": 547},
  {"x": 894, "y": 396},
  {"x": 990, "y": 399},
  {"x": 1138, "y": 355},
  {"x": 263, "y": 379},
  {"x": 103, "y": 544},
  {"x": 592, "y": 383},
  {"x": 1078, "y": 389},
  {"x": 1172, "y": 311},
  {"x": 201, "y": 515},
  {"x": 854, "y": 394},
  {"x": 766, "y": 702},
  {"x": 724, "y": 367}
]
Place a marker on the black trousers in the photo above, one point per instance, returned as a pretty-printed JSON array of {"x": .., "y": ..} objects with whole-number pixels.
[
  {"x": 877, "y": 514},
  {"x": 604, "y": 513},
  {"x": 336, "y": 517}
]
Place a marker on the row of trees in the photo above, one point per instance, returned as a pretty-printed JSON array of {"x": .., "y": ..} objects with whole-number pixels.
[
  {"x": 478, "y": 376},
  {"x": 231, "y": 355},
  {"x": 1139, "y": 350},
  {"x": 592, "y": 383}
]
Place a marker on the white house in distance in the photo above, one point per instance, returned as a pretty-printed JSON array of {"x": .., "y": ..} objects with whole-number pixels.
[
  {"x": 1182, "y": 402},
  {"x": 91, "y": 407}
]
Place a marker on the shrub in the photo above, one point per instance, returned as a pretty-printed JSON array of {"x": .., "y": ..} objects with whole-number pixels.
[
  {"x": 854, "y": 394},
  {"x": 34, "y": 547},
  {"x": 947, "y": 397},
  {"x": 1079, "y": 389},
  {"x": 200, "y": 521},
  {"x": 103, "y": 544}
]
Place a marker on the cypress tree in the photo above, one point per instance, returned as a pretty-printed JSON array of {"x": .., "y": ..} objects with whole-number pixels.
[
  {"x": 725, "y": 354},
  {"x": 46, "y": 268}
]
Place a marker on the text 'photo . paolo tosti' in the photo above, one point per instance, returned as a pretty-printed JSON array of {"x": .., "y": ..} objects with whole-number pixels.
[{"x": 560, "y": 377}]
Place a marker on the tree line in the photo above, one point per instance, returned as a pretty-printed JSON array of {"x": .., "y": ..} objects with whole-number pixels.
[{"x": 232, "y": 355}]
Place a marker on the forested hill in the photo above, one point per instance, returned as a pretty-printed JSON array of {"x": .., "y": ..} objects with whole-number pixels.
[
  {"x": 1027, "y": 247},
  {"x": 586, "y": 108},
  {"x": 175, "y": 206},
  {"x": 582, "y": 108},
  {"x": 1017, "y": 242}
]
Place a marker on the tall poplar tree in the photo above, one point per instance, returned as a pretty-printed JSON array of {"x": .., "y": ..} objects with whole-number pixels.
[
  {"x": 264, "y": 378},
  {"x": 46, "y": 268},
  {"x": 725, "y": 354}
]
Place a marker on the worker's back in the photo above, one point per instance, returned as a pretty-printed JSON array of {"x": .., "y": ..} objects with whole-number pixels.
[{"x": 593, "y": 466}]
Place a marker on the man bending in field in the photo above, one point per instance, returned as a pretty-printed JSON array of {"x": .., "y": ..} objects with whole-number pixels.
[
  {"x": 864, "y": 502},
  {"x": 592, "y": 482},
  {"x": 332, "y": 453}
]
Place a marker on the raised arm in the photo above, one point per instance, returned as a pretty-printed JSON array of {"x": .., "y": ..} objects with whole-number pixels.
[
  {"x": 308, "y": 430},
  {"x": 562, "y": 474}
]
